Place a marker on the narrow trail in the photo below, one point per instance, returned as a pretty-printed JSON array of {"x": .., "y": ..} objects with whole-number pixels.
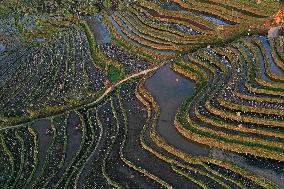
[
  {"x": 107, "y": 92},
  {"x": 110, "y": 89}
]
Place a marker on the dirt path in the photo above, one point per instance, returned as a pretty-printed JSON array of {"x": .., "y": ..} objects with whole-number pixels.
[
  {"x": 107, "y": 92},
  {"x": 145, "y": 72}
]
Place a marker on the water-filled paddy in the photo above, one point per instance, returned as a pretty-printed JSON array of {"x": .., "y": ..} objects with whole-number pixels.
[
  {"x": 170, "y": 90},
  {"x": 141, "y": 94}
]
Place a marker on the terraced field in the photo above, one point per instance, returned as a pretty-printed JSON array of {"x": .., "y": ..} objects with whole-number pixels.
[{"x": 143, "y": 94}]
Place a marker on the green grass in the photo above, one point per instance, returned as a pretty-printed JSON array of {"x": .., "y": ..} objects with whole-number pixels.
[{"x": 114, "y": 74}]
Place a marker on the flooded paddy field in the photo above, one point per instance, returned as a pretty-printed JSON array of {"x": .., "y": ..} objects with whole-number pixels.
[{"x": 142, "y": 94}]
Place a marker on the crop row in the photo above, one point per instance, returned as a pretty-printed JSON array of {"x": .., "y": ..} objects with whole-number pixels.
[
  {"x": 51, "y": 75},
  {"x": 220, "y": 116},
  {"x": 203, "y": 175}
]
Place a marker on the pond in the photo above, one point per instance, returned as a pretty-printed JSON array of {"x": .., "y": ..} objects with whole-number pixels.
[
  {"x": 99, "y": 29},
  {"x": 170, "y": 90}
]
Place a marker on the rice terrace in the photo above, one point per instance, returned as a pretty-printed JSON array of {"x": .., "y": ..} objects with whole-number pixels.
[{"x": 101, "y": 94}]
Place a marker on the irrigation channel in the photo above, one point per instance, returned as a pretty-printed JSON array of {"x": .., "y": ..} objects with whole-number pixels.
[{"x": 170, "y": 90}]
